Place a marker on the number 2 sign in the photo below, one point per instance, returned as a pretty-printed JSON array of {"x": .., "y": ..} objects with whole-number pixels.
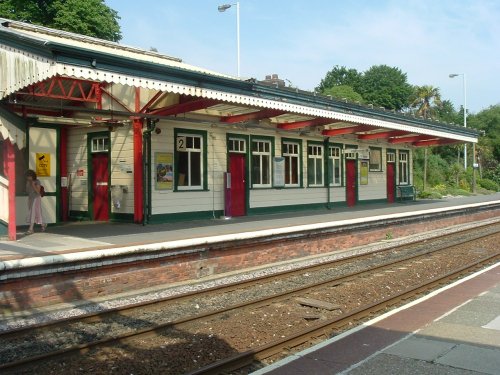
[{"x": 181, "y": 143}]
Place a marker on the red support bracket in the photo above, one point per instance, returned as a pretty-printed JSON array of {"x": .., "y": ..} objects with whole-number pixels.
[
  {"x": 434, "y": 142},
  {"x": 259, "y": 115},
  {"x": 151, "y": 102},
  {"x": 350, "y": 130},
  {"x": 193, "y": 105},
  {"x": 386, "y": 135},
  {"x": 306, "y": 123},
  {"x": 64, "y": 88},
  {"x": 411, "y": 139}
]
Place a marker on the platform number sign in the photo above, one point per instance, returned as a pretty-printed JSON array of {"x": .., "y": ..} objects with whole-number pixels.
[{"x": 181, "y": 143}]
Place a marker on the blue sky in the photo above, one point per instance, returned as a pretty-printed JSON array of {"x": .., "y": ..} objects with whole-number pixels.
[{"x": 302, "y": 39}]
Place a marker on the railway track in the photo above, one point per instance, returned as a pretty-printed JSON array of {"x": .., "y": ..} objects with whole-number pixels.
[
  {"x": 145, "y": 333},
  {"x": 325, "y": 329}
]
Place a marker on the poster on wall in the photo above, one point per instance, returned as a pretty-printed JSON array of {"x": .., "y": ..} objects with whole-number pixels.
[
  {"x": 42, "y": 164},
  {"x": 279, "y": 172},
  {"x": 164, "y": 170},
  {"x": 363, "y": 177}
]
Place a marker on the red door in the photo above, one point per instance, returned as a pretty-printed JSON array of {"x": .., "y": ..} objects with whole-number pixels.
[
  {"x": 390, "y": 183},
  {"x": 100, "y": 175},
  {"x": 350, "y": 182},
  {"x": 238, "y": 186}
]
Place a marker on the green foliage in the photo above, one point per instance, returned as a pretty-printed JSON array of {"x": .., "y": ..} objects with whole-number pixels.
[
  {"x": 488, "y": 184},
  {"x": 343, "y": 92},
  {"x": 87, "y": 17},
  {"x": 426, "y": 99},
  {"x": 493, "y": 174},
  {"x": 387, "y": 87},
  {"x": 381, "y": 85},
  {"x": 488, "y": 121},
  {"x": 429, "y": 194},
  {"x": 340, "y": 76},
  {"x": 447, "y": 113}
]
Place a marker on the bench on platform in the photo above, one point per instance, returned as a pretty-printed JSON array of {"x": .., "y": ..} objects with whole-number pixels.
[{"x": 406, "y": 192}]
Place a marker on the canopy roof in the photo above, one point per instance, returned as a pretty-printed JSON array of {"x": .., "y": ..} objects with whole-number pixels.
[{"x": 33, "y": 55}]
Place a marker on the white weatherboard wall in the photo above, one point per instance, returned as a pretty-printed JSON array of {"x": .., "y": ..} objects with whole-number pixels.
[
  {"x": 122, "y": 164},
  {"x": 41, "y": 140},
  {"x": 77, "y": 161},
  {"x": 122, "y": 170},
  {"x": 170, "y": 202},
  {"x": 4, "y": 199}
]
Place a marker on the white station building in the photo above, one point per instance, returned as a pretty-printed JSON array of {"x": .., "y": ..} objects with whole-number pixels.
[{"x": 117, "y": 133}]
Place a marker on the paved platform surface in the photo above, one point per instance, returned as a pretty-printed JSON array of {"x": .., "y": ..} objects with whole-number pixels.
[
  {"x": 453, "y": 331},
  {"x": 81, "y": 236}
]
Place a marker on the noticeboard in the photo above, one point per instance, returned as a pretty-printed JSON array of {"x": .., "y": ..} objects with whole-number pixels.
[{"x": 279, "y": 171}]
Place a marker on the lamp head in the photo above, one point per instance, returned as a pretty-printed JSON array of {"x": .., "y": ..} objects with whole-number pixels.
[
  {"x": 453, "y": 75},
  {"x": 224, "y": 7}
]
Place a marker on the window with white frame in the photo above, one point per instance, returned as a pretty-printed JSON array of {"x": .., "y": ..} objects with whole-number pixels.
[
  {"x": 261, "y": 163},
  {"x": 100, "y": 144},
  {"x": 403, "y": 171},
  {"x": 189, "y": 161},
  {"x": 334, "y": 164},
  {"x": 391, "y": 157},
  {"x": 350, "y": 155},
  {"x": 236, "y": 145},
  {"x": 291, "y": 153},
  {"x": 375, "y": 159},
  {"x": 315, "y": 165}
]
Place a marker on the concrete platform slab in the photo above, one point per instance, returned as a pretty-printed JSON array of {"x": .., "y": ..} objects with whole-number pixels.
[
  {"x": 461, "y": 333},
  {"x": 389, "y": 364},
  {"x": 420, "y": 348},
  {"x": 494, "y": 324},
  {"x": 471, "y": 317},
  {"x": 473, "y": 358}
]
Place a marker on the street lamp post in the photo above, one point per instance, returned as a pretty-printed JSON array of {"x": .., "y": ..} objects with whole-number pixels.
[
  {"x": 465, "y": 110},
  {"x": 223, "y": 8}
]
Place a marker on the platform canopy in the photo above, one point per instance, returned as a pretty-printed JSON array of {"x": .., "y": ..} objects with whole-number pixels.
[{"x": 47, "y": 72}]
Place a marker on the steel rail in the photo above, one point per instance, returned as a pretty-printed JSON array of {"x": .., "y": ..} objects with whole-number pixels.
[{"x": 325, "y": 329}]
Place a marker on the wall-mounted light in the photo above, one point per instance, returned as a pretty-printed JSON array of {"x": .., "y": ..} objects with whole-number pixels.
[{"x": 93, "y": 63}]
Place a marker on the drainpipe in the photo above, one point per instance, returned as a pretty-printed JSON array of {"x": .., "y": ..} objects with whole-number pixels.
[
  {"x": 327, "y": 174},
  {"x": 146, "y": 196}
]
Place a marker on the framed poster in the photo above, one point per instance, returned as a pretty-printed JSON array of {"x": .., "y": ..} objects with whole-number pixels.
[
  {"x": 42, "y": 164},
  {"x": 363, "y": 172},
  {"x": 279, "y": 171},
  {"x": 164, "y": 168}
]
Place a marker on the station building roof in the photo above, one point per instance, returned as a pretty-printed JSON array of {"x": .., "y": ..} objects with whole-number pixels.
[{"x": 32, "y": 54}]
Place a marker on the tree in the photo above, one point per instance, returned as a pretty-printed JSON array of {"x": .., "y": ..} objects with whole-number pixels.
[
  {"x": 427, "y": 98},
  {"x": 488, "y": 121},
  {"x": 385, "y": 86},
  {"x": 343, "y": 92},
  {"x": 447, "y": 113},
  {"x": 340, "y": 76},
  {"x": 87, "y": 17}
]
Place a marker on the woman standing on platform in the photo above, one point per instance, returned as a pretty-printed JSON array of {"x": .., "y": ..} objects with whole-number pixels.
[{"x": 33, "y": 187}]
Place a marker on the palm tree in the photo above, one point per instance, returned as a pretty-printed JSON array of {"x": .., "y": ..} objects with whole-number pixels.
[{"x": 427, "y": 98}]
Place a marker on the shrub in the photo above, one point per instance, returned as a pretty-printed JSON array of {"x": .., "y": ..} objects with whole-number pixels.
[
  {"x": 429, "y": 195},
  {"x": 488, "y": 184},
  {"x": 441, "y": 188}
]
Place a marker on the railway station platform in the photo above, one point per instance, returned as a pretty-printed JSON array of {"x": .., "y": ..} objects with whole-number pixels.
[
  {"x": 84, "y": 262},
  {"x": 86, "y": 236},
  {"x": 454, "y": 330}
]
